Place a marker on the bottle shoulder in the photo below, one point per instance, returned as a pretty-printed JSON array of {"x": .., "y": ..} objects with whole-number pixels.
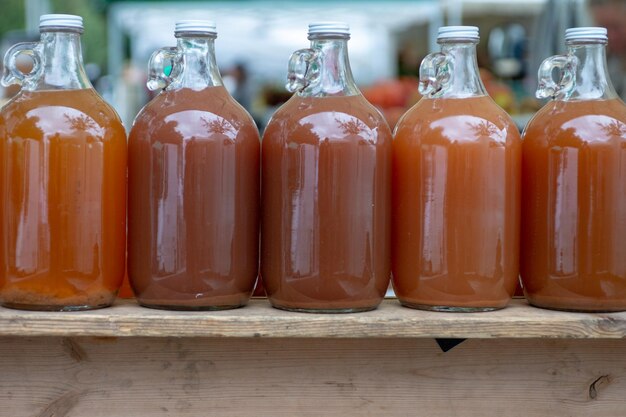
[
  {"x": 321, "y": 118},
  {"x": 62, "y": 112},
  {"x": 574, "y": 123},
  {"x": 438, "y": 108},
  {"x": 456, "y": 120},
  {"x": 85, "y": 100},
  {"x": 214, "y": 100},
  {"x": 184, "y": 114},
  {"x": 335, "y": 111}
]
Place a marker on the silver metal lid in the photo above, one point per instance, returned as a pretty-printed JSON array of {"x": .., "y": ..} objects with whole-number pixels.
[
  {"x": 586, "y": 33},
  {"x": 196, "y": 26},
  {"x": 458, "y": 32},
  {"x": 329, "y": 28},
  {"x": 61, "y": 21}
]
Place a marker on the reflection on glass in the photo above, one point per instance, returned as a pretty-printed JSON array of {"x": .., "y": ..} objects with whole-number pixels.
[
  {"x": 63, "y": 166},
  {"x": 574, "y": 230},
  {"x": 193, "y": 212},
  {"x": 456, "y": 193},
  {"x": 326, "y": 204}
]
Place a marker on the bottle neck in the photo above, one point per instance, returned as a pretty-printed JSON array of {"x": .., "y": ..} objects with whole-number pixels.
[
  {"x": 62, "y": 62},
  {"x": 335, "y": 75},
  {"x": 591, "y": 81},
  {"x": 197, "y": 67},
  {"x": 464, "y": 76}
]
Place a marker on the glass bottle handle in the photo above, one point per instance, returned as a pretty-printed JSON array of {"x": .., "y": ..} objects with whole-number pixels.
[
  {"x": 566, "y": 68},
  {"x": 157, "y": 77},
  {"x": 435, "y": 74},
  {"x": 303, "y": 70},
  {"x": 11, "y": 73}
]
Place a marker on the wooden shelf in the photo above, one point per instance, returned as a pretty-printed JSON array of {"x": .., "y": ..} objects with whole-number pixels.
[
  {"x": 258, "y": 319},
  {"x": 262, "y": 362}
]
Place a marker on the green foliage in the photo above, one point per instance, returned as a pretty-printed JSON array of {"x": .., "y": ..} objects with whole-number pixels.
[{"x": 12, "y": 16}]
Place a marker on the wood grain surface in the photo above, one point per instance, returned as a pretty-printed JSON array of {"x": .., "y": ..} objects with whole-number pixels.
[
  {"x": 519, "y": 320},
  {"x": 184, "y": 377}
]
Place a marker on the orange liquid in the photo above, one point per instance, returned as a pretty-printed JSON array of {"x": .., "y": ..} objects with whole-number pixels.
[
  {"x": 63, "y": 194},
  {"x": 456, "y": 196},
  {"x": 125, "y": 290},
  {"x": 193, "y": 201},
  {"x": 574, "y": 206},
  {"x": 325, "y": 234}
]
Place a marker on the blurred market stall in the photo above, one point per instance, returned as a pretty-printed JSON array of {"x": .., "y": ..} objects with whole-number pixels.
[{"x": 257, "y": 37}]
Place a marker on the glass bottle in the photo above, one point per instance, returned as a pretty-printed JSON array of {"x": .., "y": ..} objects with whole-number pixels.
[
  {"x": 193, "y": 184},
  {"x": 574, "y": 183},
  {"x": 63, "y": 180},
  {"x": 456, "y": 188},
  {"x": 326, "y": 166}
]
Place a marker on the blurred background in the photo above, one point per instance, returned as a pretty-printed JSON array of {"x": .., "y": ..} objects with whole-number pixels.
[{"x": 389, "y": 40}]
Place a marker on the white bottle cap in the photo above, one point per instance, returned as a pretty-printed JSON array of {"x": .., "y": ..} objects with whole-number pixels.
[
  {"x": 196, "y": 26},
  {"x": 329, "y": 28},
  {"x": 586, "y": 33},
  {"x": 458, "y": 32},
  {"x": 60, "y": 20}
]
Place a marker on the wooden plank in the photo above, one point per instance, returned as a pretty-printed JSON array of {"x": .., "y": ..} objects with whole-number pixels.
[
  {"x": 137, "y": 377},
  {"x": 260, "y": 320}
]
